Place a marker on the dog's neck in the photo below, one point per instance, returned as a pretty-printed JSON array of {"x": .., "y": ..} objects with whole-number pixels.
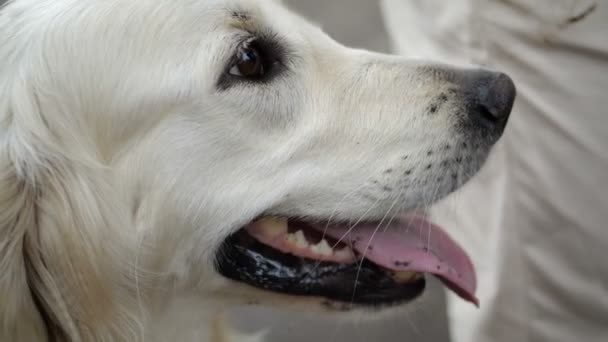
[
  {"x": 186, "y": 318},
  {"x": 190, "y": 318}
]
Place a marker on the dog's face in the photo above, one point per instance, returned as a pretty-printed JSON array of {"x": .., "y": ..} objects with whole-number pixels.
[
  {"x": 213, "y": 116},
  {"x": 283, "y": 121}
]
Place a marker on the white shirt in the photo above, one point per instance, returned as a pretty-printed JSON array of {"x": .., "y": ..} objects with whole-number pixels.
[{"x": 535, "y": 220}]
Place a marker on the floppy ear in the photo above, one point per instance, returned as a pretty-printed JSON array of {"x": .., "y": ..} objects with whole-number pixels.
[
  {"x": 64, "y": 256},
  {"x": 20, "y": 318}
]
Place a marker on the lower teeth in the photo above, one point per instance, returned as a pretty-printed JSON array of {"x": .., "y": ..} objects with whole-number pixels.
[
  {"x": 322, "y": 248},
  {"x": 406, "y": 277}
]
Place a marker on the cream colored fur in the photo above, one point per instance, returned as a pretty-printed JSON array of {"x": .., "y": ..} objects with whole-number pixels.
[{"x": 123, "y": 165}]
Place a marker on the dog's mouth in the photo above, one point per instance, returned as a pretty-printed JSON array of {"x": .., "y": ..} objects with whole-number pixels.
[{"x": 370, "y": 263}]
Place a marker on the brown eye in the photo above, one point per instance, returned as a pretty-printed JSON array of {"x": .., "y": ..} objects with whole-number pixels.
[{"x": 249, "y": 63}]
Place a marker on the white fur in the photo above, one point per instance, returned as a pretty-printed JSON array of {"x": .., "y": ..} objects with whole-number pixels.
[{"x": 123, "y": 166}]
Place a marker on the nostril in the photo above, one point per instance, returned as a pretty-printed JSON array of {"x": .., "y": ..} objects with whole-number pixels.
[{"x": 486, "y": 113}]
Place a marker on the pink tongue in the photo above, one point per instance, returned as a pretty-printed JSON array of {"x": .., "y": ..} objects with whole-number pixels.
[{"x": 412, "y": 243}]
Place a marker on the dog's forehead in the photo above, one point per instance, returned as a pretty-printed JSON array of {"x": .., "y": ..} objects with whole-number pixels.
[{"x": 265, "y": 15}]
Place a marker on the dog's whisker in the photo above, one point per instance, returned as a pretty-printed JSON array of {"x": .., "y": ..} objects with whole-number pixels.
[
  {"x": 318, "y": 263},
  {"x": 352, "y": 227},
  {"x": 437, "y": 189},
  {"x": 138, "y": 295},
  {"x": 367, "y": 248},
  {"x": 337, "y": 207}
]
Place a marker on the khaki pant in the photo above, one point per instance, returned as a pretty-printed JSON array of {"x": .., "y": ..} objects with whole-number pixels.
[{"x": 535, "y": 220}]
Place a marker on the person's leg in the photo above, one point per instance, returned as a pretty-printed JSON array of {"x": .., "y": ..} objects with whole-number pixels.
[{"x": 535, "y": 218}]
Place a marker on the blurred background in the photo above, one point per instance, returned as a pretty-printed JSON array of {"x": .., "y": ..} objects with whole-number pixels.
[{"x": 356, "y": 23}]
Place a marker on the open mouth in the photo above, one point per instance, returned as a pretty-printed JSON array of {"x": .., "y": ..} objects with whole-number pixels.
[{"x": 370, "y": 263}]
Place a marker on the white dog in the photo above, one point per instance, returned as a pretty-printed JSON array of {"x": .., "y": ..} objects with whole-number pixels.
[{"x": 161, "y": 160}]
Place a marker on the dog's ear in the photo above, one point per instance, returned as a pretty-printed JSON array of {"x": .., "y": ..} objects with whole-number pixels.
[
  {"x": 63, "y": 259},
  {"x": 20, "y": 317}
]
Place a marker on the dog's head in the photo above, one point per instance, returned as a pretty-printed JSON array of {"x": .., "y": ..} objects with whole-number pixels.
[{"x": 221, "y": 147}]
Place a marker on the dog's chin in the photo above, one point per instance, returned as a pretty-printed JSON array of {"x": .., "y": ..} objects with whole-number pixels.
[{"x": 374, "y": 265}]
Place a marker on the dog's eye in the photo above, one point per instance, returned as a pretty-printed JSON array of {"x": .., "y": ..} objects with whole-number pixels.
[
  {"x": 249, "y": 62},
  {"x": 256, "y": 60}
]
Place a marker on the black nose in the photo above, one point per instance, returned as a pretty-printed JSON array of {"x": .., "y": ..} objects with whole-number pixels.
[{"x": 490, "y": 96}]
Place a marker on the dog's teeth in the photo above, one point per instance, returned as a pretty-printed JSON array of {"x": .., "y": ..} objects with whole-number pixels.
[
  {"x": 300, "y": 240},
  {"x": 273, "y": 226},
  {"x": 344, "y": 253},
  {"x": 405, "y": 277},
  {"x": 322, "y": 248}
]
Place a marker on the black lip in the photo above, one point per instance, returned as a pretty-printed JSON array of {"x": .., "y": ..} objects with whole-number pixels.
[{"x": 244, "y": 259}]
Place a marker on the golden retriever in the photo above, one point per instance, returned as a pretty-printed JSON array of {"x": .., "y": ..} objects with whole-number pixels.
[{"x": 161, "y": 160}]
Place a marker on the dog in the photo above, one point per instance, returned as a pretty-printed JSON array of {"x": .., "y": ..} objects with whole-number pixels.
[{"x": 162, "y": 160}]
